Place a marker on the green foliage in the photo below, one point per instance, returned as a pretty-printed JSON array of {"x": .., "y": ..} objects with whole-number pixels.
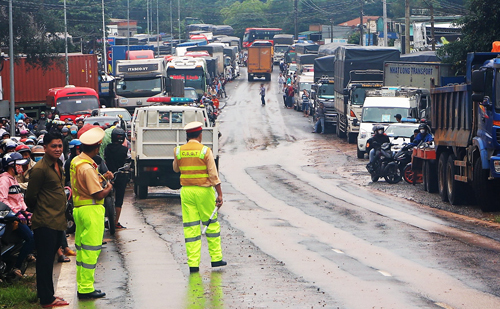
[
  {"x": 20, "y": 294},
  {"x": 480, "y": 28},
  {"x": 353, "y": 38},
  {"x": 249, "y": 13}
]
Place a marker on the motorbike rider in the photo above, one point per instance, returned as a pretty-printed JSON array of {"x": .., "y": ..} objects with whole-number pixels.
[
  {"x": 74, "y": 147},
  {"x": 373, "y": 144},
  {"x": 424, "y": 136},
  {"x": 116, "y": 155},
  {"x": 10, "y": 194},
  {"x": 23, "y": 178}
]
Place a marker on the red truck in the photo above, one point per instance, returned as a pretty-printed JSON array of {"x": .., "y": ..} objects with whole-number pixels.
[
  {"x": 32, "y": 83},
  {"x": 72, "y": 102}
]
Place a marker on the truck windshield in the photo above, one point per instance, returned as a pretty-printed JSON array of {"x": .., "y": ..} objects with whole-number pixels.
[
  {"x": 139, "y": 87},
  {"x": 280, "y": 49},
  {"x": 76, "y": 105},
  {"x": 326, "y": 91},
  {"x": 383, "y": 114},
  {"x": 358, "y": 95},
  {"x": 193, "y": 78}
]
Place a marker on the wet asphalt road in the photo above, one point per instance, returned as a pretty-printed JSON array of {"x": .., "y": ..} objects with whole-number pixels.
[{"x": 301, "y": 228}]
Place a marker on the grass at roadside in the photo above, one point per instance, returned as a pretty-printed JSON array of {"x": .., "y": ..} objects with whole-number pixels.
[{"x": 20, "y": 294}]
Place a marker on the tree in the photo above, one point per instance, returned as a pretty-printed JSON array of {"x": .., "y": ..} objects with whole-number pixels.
[
  {"x": 480, "y": 28},
  {"x": 249, "y": 13}
]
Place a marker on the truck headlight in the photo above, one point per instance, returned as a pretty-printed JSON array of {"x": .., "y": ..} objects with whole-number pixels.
[
  {"x": 363, "y": 134},
  {"x": 496, "y": 164}
]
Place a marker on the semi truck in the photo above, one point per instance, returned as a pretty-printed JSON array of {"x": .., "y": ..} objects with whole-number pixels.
[
  {"x": 156, "y": 131},
  {"x": 192, "y": 70},
  {"x": 357, "y": 69},
  {"x": 139, "y": 80},
  {"x": 83, "y": 72},
  {"x": 465, "y": 155},
  {"x": 260, "y": 60},
  {"x": 281, "y": 43}
]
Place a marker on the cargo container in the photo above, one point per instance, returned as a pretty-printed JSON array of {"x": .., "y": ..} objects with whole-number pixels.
[
  {"x": 119, "y": 52},
  {"x": 32, "y": 83}
]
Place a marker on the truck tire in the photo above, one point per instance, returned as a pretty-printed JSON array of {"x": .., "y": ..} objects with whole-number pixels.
[
  {"x": 430, "y": 177},
  {"x": 361, "y": 154},
  {"x": 454, "y": 188},
  {"x": 441, "y": 171},
  {"x": 250, "y": 78},
  {"x": 268, "y": 77},
  {"x": 484, "y": 189},
  {"x": 340, "y": 134},
  {"x": 142, "y": 192},
  {"x": 352, "y": 138}
]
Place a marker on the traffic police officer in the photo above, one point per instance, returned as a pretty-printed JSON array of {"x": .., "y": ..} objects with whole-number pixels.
[
  {"x": 198, "y": 178},
  {"x": 88, "y": 200}
]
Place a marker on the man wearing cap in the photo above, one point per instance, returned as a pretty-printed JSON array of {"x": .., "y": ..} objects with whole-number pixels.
[
  {"x": 199, "y": 175},
  {"x": 42, "y": 123},
  {"x": 88, "y": 200},
  {"x": 398, "y": 117}
]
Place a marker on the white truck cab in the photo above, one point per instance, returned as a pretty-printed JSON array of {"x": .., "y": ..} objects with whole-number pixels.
[
  {"x": 382, "y": 105},
  {"x": 156, "y": 131}
]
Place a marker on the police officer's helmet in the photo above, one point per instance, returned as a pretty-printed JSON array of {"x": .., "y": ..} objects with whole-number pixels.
[{"x": 117, "y": 135}]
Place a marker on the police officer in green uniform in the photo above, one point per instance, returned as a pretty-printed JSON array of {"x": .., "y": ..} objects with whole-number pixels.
[
  {"x": 199, "y": 177},
  {"x": 88, "y": 200}
]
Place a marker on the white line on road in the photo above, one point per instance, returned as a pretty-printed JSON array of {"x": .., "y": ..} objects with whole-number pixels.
[
  {"x": 338, "y": 251},
  {"x": 443, "y": 305},
  {"x": 384, "y": 273}
]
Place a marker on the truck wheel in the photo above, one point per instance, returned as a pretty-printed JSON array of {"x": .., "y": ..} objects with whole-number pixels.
[
  {"x": 250, "y": 78},
  {"x": 484, "y": 188},
  {"x": 361, "y": 154},
  {"x": 352, "y": 138},
  {"x": 340, "y": 134},
  {"x": 430, "y": 177},
  {"x": 454, "y": 188},
  {"x": 443, "y": 158},
  {"x": 142, "y": 192},
  {"x": 268, "y": 77}
]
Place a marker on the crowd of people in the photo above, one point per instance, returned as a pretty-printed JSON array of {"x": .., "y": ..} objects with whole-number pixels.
[{"x": 47, "y": 147}]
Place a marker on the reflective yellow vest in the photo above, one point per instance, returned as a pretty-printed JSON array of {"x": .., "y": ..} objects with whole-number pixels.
[
  {"x": 190, "y": 158},
  {"x": 77, "y": 201}
]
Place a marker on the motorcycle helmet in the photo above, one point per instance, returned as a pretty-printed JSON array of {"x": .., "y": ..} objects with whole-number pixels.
[
  {"x": 74, "y": 143},
  {"x": 423, "y": 128},
  {"x": 23, "y": 132},
  {"x": 378, "y": 128},
  {"x": 65, "y": 130},
  {"x": 9, "y": 145},
  {"x": 10, "y": 159},
  {"x": 42, "y": 132},
  {"x": 37, "y": 153},
  {"x": 117, "y": 135},
  {"x": 5, "y": 134}
]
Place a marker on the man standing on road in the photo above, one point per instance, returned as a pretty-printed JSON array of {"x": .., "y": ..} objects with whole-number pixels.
[
  {"x": 198, "y": 178},
  {"x": 88, "y": 200},
  {"x": 262, "y": 92},
  {"x": 45, "y": 197}
]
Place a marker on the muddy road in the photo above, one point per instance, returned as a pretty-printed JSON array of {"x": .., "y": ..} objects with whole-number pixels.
[{"x": 302, "y": 227}]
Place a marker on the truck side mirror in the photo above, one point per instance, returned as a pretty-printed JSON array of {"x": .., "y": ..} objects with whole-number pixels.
[
  {"x": 477, "y": 81},
  {"x": 346, "y": 91}
]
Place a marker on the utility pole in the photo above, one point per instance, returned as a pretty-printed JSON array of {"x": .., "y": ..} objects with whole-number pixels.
[
  {"x": 407, "y": 26},
  {"x": 179, "y": 17},
  {"x": 385, "y": 22},
  {"x": 296, "y": 18},
  {"x": 157, "y": 29},
  {"x": 104, "y": 52},
  {"x": 66, "y": 45},
  {"x": 11, "y": 67},
  {"x": 147, "y": 21},
  {"x": 361, "y": 24},
  {"x": 128, "y": 27},
  {"x": 432, "y": 26},
  {"x": 171, "y": 22}
]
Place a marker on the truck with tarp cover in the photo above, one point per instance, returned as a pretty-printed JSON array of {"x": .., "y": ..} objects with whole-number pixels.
[
  {"x": 306, "y": 48},
  {"x": 324, "y": 67},
  {"x": 305, "y": 59},
  {"x": 357, "y": 69}
]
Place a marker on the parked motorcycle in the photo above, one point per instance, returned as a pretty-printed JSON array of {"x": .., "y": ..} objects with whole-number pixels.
[
  {"x": 403, "y": 158},
  {"x": 10, "y": 243},
  {"x": 385, "y": 165}
]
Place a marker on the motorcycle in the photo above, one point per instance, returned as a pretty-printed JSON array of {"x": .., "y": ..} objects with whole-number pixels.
[
  {"x": 10, "y": 243},
  {"x": 403, "y": 158},
  {"x": 385, "y": 165},
  {"x": 71, "y": 227}
]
